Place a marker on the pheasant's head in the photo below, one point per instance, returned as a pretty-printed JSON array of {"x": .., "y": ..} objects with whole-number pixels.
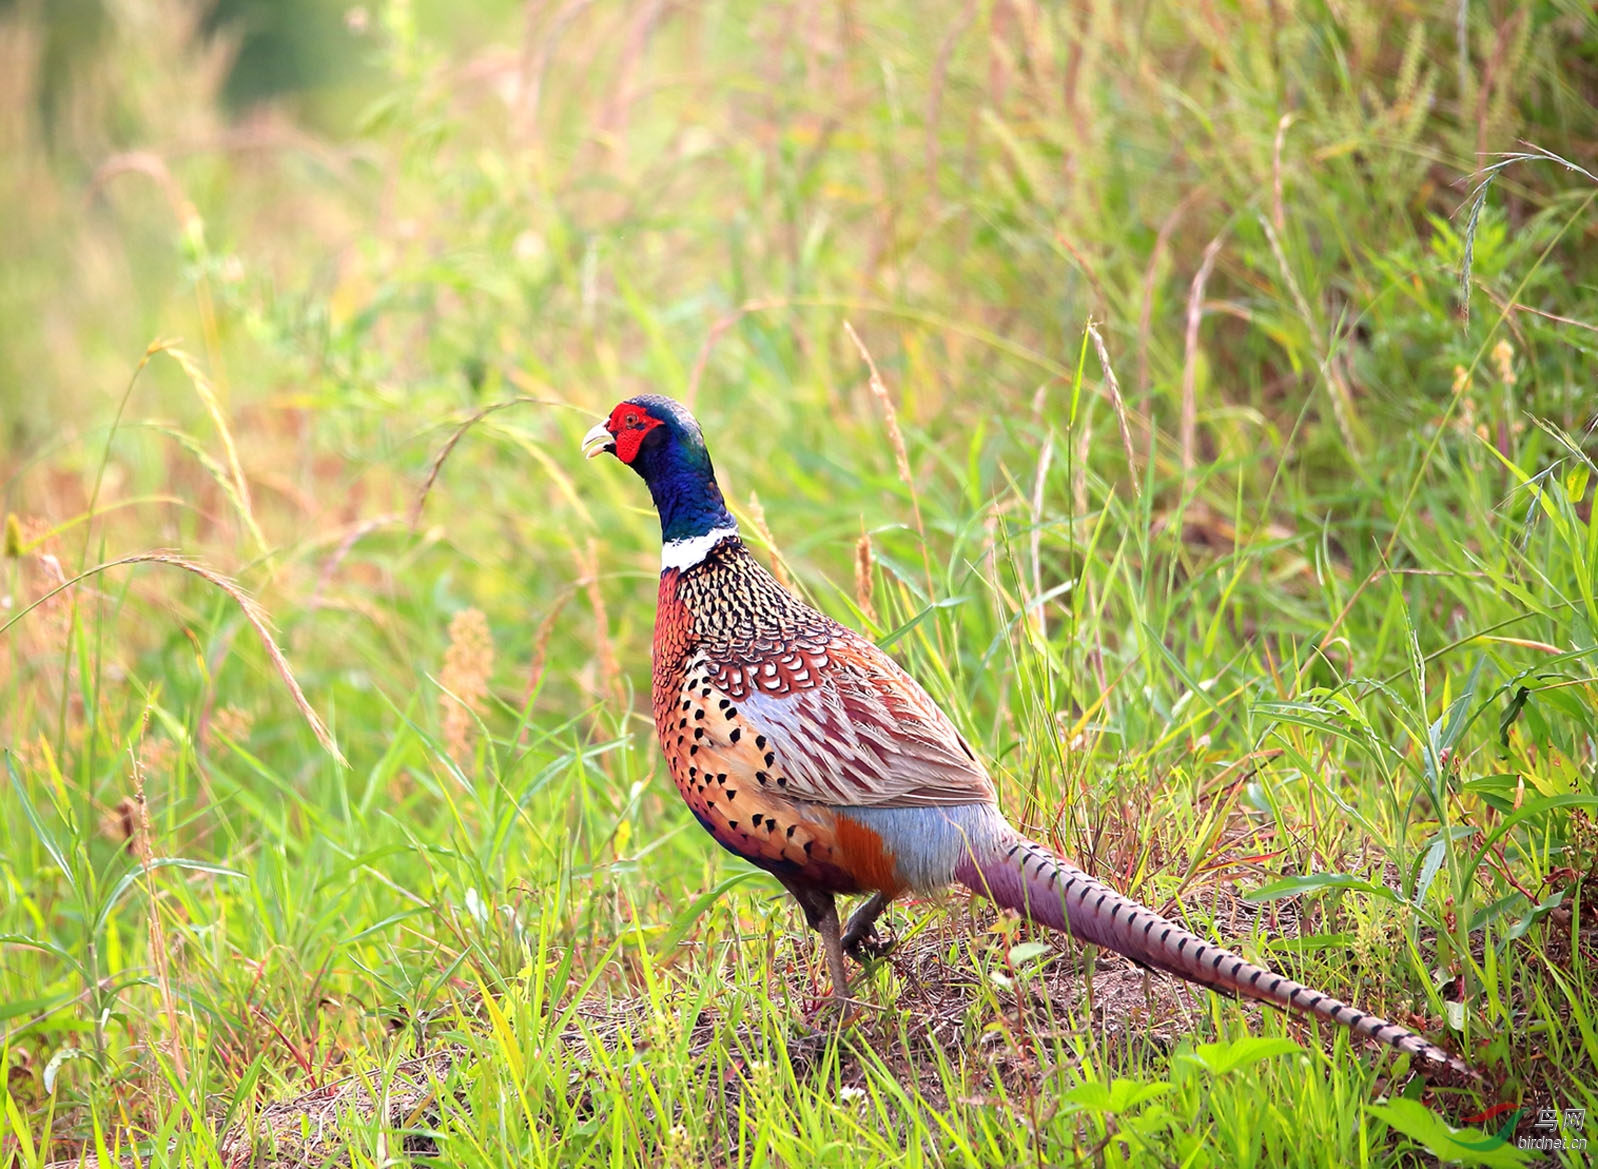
[{"x": 660, "y": 440}]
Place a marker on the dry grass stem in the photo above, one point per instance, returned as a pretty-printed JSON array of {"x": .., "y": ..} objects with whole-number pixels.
[
  {"x": 207, "y": 395},
  {"x": 539, "y": 49},
  {"x": 1548, "y": 316},
  {"x": 1278, "y": 209},
  {"x": 541, "y": 636},
  {"x": 1195, "y": 314},
  {"x": 587, "y": 557},
  {"x": 1116, "y": 401},
  {"x": 352, "y": 536},
  {"x": 152, "y": 166},
  {"x": 253, "y": 613},
  {"x": 142, "y": 842},
  {"x": 940, "y": 71},
  {"x": 613, "y": 120},
  {"x": 901, "y": 455},
  {"x": 1151, "y": 275},
  {"x": 437, "y": 464},
  {"x": 702, "y": 358},
  {"x": 757, "y": 518}
]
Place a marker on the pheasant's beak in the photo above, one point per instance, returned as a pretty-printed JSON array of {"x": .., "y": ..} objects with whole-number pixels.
[{"x": 598, "y": 441}]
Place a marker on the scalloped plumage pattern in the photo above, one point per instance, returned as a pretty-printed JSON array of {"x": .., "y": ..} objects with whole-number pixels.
[{"x": 803, "y": 748}]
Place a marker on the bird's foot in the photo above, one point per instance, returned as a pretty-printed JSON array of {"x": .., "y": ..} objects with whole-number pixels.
[
  {"x": 867, "y": 945},
  {"x": 807, "y": 1046}
]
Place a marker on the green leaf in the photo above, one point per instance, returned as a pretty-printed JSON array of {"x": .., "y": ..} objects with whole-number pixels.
[
  {"x": 1511, "y": 714},
  {"x": 1315, "y": 718},
  {"x": 164, "y": 862},
  {"x": 31, "y": 1007},
  {"x": 21, "y": 1128},
  {"x": 1430, "y": 869},
  {"x": 1314, "y": 883},
  {"x": 1221, "y": 1058},
  {"x": 1576, "y": 481},
  {"x": 1532, "y": 483},
  {"x": 680, "y": 925},
  {"x": 379, "y": 926},
  {"x": 43, "y": 944},
  {"x": 1530, "y": 917},
  {"x": 1450, "y": 725},
  {"x": 1527, "y": 810},
  {"x": 1460, "y": 1146},
  {"x": 946, "y": 603},
  {"x": 1497, "y": 789},
  {"x": 1117, "y": 1096},
  {"x": 1193, "y": 685},
  {"x": 1026, "y": 952},
  {"x": 62, "y": 1055},
  {"x": 50, "y": 846}
]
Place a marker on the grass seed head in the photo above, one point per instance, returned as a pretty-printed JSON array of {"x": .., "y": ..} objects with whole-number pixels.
[
  {"x": 863, "y": 582},
  {"x": 233, "y": 723},
  {"x": 1504, "y": 362},
  {"x": 468, "y": 664},
  {"x": 757, "y": 520}
]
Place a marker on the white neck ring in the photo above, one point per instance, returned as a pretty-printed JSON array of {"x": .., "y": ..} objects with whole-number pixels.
[{"x": 687, "y": 552}]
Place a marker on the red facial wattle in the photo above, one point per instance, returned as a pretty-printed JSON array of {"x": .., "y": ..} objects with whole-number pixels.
[
  {"x": 801, "y": 747},
  {"x": 629, "y": 425}
]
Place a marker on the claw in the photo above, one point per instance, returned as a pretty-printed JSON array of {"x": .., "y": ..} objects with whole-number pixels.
[
  {"x": 804, "y": 1050},
  {"x": 868, "y": 946}
]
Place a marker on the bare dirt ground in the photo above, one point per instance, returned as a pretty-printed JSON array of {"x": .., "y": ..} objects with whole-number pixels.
[{"x": 940, "y": 1015}]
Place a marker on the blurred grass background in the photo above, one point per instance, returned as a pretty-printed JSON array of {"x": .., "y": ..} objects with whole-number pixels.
[{"x": 1302, "y": 605}]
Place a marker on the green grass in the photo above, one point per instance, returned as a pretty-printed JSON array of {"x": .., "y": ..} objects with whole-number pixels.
[{"x": 1307, "y": 658}]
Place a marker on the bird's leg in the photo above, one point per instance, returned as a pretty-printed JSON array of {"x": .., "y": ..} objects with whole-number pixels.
[
  {"x": 828, "y": 929},
  {"x": 860, "y": 940},
  {"x": 821, "y": 913}
]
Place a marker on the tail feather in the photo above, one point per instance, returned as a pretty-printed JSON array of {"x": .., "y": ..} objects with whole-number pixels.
[{"x": 1031, "y": 880}]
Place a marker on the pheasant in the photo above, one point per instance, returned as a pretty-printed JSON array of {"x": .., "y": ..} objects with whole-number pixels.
[{"x": 807, "y": 751}]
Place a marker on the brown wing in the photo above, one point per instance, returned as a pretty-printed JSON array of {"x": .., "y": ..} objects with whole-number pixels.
[{"x": 839, "y": 723}]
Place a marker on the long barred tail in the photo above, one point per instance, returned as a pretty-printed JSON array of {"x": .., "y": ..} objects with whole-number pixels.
[{"x": 1031, "y": 880}]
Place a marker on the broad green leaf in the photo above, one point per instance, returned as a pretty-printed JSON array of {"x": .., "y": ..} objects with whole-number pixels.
[
  {"x": 1026, "y": 952},
  {"x": 1221, "y": 1058},
  {"x": 1576, "y": 481},
  {"x": 1459, "y": 1146},
  {"x": 1116, "y": 1096}
]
